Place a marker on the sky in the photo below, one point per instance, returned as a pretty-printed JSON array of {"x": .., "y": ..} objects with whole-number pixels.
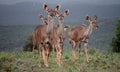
[{"x": 63, "y": 1}]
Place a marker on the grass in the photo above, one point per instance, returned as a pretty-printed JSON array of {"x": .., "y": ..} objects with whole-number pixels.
[{"x": 27, "y": 62}]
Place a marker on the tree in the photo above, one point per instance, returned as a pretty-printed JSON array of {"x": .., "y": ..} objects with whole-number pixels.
[{"x": 116, "y": 40}]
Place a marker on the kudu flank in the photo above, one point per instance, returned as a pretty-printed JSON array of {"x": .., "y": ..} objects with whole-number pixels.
[{"x": 80, "y": 34}]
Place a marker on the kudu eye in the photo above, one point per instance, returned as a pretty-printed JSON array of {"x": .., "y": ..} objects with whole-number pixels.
[
  {"x": 47, "y": 42},
  {"x": 41, "y": 43},
  {"x": 93, "y": 22}
]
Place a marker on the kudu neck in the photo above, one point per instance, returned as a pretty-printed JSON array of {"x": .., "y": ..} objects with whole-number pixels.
[
  {"x": 89, "y": 30},
  {"x": 60, "y": 27},
  {"x": 50, "y": 25},
  {"x": 61, "y": 22}
]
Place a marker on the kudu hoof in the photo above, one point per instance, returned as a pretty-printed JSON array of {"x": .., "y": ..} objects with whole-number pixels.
[
  {"x": 88, "y": 62},
  {"x": 46, "y": 65},
  {"x": 39, "y": 65},
  {"x": 59, "y": 64}
]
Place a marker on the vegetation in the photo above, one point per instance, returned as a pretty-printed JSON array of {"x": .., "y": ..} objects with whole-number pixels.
[
  {"x": 116, "y": 40},
  {"x": 27, "y": 62},
  {"x": 28, "y": 44}
]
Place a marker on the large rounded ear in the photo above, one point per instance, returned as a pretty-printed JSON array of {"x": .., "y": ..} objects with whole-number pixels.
[
  {"x": 57, "y": 7},
  {"x": 66, "y": 13},
  {"x": 95, "y": 17},
  {"x": 45, "y": 6},
  {"x": 41, "y": 16},
  {"x": 87, "y": 18}
]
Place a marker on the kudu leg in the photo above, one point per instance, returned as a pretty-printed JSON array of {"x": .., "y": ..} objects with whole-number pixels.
[
  {"x": 53, "y": 50},
  {"x": 59, "y": 56},
  {"x": 46, "y": 56},
  {"x": 44, "y": 52},
  {"x": 39, "y": 55},
  {"x": 86, "y": 51},
  {"x": 60, "y": 53},
  {"x": 79, "y": 49},
  {"x": 43, "y": 55},
  {"x": 73, "y": 49}
]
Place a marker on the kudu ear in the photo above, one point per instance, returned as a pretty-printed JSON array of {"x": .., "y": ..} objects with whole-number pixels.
[
  {"x": 45, "y": 6},
  {"x": 41, "y": 16},
  {"x": 95, "y": 17},
  {"x": 88, "y": 18},
  {"x": 57, "y": 7},
  {"x": 66, "y": 27},
  {"x": 66, "y": 13}
]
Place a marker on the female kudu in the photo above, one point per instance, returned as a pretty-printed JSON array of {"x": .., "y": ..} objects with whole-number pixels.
[
  {"x": 58, "y": 36},
  {"x": 43, "y": 31},
  {"x": 80, "y": 34}
]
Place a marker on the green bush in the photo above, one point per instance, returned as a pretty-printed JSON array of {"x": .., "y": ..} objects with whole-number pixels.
[
  {"x": 7, "y": 61},
  {"x": 92, "y": 51},
  {"x": 28, "y": 44},
  {"x": 116, "y": 40}
]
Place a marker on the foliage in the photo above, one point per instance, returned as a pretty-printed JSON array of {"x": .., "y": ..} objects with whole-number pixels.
[
  {"x": 7, "y": 62},
  {"x": 28, "y": 44},
  {"x": 116, "y": 40},
  {"x": 27, "y": 62}
]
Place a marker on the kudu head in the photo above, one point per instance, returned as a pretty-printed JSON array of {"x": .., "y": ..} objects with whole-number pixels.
[
  {"x": 93, "y": 22},
  {"x": 44, "y": 19},
  {"x": 61, "y": 16},
  {"x": 61, "y": 20},
  {"x": 51, "y": 13}
]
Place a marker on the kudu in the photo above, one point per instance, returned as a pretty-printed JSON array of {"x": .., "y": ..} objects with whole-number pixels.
[
  {"x": 43, "y": 31},
  {"x": 58, "y": 36},
  {"x": 80, "y": 34}
]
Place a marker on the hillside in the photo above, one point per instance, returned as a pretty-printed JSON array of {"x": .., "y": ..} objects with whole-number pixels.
[
  {"x": 27, "y": 62},
  {"x": 13, "y": 37}
]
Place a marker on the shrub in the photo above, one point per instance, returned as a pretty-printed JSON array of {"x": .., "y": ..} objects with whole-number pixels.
[
  {"x": 116, "y": 40},
  {"x": 92, "y": 51},
  {"x": 7, "y": 61},
  {"x": 28, "y": 44}
]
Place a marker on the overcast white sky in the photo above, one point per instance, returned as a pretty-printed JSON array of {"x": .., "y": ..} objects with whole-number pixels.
[{"x": 63, "y": 1}]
